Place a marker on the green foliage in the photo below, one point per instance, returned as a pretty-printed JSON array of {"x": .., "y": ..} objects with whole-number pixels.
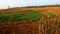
[
  {"x": 42, "y": 15},
  {"x": 51, "y": 15},
  {"x": 9, "y": 17},
  {"x": 30, "y": 15}
]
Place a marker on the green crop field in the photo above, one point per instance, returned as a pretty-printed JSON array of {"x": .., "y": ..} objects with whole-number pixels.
[{"x": 29, "y": 16}]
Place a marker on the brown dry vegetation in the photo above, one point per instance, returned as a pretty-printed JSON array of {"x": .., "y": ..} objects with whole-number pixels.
[{"x": 20, "y": 28}]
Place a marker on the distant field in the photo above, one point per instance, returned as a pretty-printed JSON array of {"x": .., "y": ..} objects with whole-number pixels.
[{"x": 55, "y": 10}]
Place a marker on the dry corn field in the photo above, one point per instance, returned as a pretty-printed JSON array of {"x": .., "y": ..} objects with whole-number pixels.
[
  {"x": 40, "y": 26},
  {"x": 50, "y": 26}
]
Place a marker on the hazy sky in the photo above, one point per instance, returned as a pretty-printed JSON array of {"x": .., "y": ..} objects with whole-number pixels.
[{"x": 19, "y": 3}]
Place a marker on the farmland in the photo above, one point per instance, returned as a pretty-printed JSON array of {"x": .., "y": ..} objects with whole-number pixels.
[{"x": 31, "y": 20}]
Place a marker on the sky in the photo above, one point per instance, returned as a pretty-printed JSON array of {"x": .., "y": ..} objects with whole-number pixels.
[{"x": 23, "y": 3}]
